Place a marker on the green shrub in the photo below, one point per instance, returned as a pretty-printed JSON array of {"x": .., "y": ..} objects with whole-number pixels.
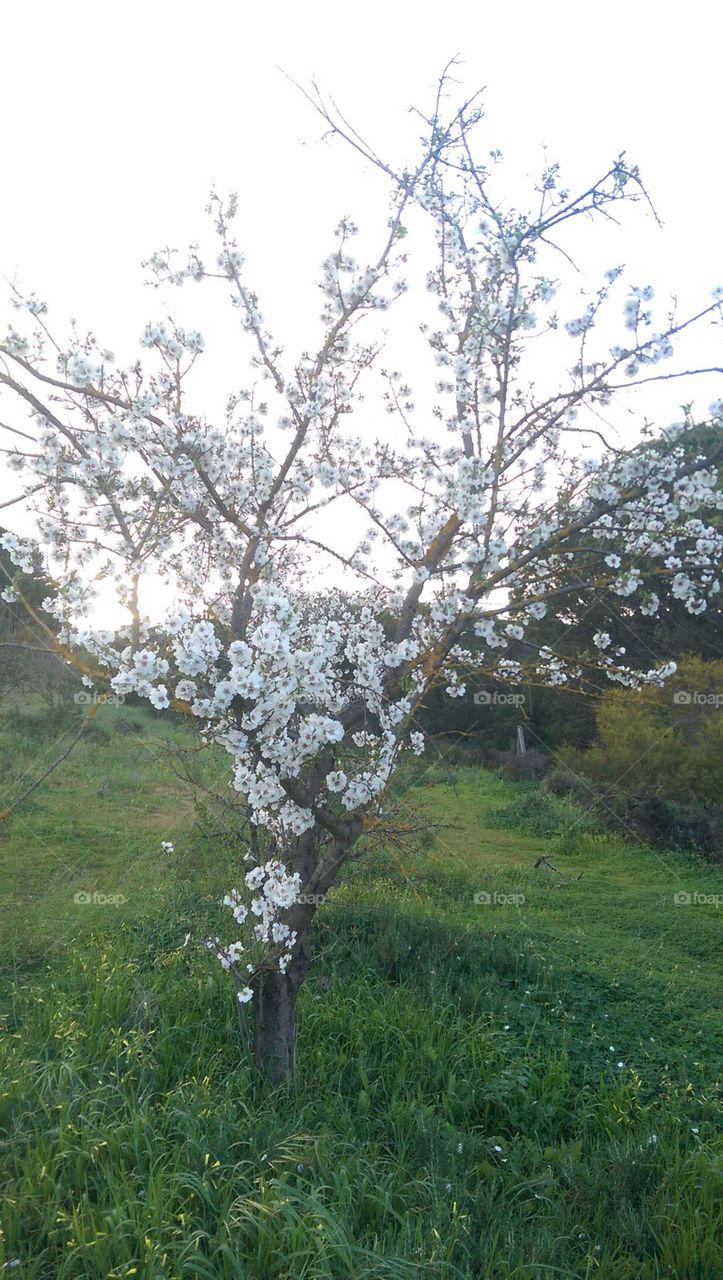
[
  {"x": 46, "y": 722},
  {"x": 643, "y": 813},
  {"x": 670, "y": 737},
  {"x": 529, "y": 767},
  {"x": 546, "y": 815},
  {"x": 467, "y": 752},
  {"x": 647, "y": 814}
]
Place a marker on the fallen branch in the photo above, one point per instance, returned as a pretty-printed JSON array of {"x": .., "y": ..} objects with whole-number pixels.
[{"x": 544, "y": 861}]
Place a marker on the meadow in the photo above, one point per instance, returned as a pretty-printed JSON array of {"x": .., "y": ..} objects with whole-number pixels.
[{"x": 504, "y": 1071}]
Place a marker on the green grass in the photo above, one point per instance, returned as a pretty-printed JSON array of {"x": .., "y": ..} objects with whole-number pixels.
[
  {"x": 95, "y": 826},
  {"x": 459, "y": 1109}
]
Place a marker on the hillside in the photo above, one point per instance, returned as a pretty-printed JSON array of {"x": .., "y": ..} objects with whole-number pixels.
[{"x": 517, "y": 1087}]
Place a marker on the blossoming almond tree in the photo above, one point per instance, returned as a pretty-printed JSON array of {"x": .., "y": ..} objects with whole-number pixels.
[{"x": 457, "y": 506}]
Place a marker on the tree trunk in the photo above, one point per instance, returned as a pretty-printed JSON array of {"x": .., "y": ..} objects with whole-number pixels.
[
  {"x": 274, "y": 1008},
  {"x": 275, "y": 994}
]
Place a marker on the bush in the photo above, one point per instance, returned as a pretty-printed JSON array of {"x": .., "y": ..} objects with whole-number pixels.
[
  {"x": 529, "y": 767},
  {"x": 465, "y": 752},
  {"x": 563, "y": 782},
  {"x": 547, "y": 816},
  {"x": 699, "y": 828},
  {"x": 694, "y": 827},
  {"x": 48, "y": 722},
  {"x": 644, "y": 813},
  {"x": 670, "y": 737},
  {"x": 124, "y": 726}
]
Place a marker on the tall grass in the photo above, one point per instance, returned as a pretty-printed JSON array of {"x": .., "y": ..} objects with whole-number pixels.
[{"x": 514, "y": 1091}]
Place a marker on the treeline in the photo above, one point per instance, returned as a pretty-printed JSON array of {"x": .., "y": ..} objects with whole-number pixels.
[{"x": 650, "y": 762}]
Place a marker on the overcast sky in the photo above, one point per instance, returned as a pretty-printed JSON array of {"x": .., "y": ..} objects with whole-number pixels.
[{"x": 116, "y": 119}]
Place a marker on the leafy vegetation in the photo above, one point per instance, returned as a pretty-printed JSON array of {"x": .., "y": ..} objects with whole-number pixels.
[{"x": 670, "y": 737}]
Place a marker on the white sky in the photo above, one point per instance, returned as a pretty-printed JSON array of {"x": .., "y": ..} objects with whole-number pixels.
[{"x": 116, "y": 119}]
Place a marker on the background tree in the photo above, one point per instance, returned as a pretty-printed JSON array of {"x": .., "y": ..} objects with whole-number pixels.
[
  {"x": 554, "y": 716},
  {"x": 28, "y": 663},
  {"x": 669, "y": 629},
  {"x": 454, "y": 520},
  {"x": 669, "y": 738}
]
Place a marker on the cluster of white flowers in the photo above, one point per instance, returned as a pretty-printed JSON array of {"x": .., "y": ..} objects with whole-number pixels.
[
  {"x": 230, "y": 262},
  {"x": 139, "y": 672},
  {"x": 486, "y": 630},
  {"x": 80, "y": 369},
  {"x": 15, "y": 343},
  {"x": 175, "y": 343},
  {"x": 20, "y": 550},
  {"x": 632, "y": 307},
  {"x": 582, "y": 323},
  {"x": 270, "y": 891}
]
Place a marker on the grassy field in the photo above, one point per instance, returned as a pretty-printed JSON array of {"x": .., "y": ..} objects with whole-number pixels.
[{"x": 504, "y": 1072}]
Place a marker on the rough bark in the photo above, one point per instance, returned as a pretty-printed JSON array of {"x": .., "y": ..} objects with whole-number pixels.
[
  {"x": 275, "y": 994},
  {"x": 274, "y": 1010}
]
